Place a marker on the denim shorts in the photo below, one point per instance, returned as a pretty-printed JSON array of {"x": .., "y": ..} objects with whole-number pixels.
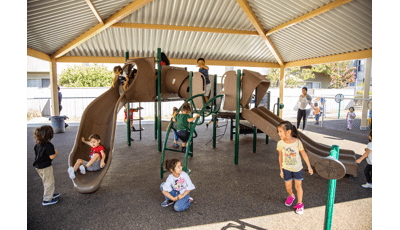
[
  {"x": 288, "y": 175},
  {"x": 183, "y": 135},
  {"x": 94, "y": 167}
]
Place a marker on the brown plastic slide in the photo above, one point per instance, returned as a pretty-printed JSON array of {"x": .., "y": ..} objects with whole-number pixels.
[
  {"x": 100, "y": 118},
  {"x": 268, "y": 122}
]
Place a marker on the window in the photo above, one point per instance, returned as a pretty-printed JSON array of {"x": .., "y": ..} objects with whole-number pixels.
[{"x": 45, "y": 83}]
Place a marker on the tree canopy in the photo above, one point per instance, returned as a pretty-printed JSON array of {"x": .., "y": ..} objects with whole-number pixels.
[{"x": 86, "y": 76}]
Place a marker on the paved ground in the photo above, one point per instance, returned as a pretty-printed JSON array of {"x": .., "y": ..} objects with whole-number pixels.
[{"x": 250, "y": 195}]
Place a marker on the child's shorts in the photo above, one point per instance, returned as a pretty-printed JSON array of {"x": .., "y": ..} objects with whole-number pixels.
[
  {"x": 289, "y": 175},
  {"x": 183, "y": 135},
  {"x": 94, "y": 167}
]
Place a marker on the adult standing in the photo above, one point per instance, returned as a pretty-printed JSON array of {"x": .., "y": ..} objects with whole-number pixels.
[
  {"x": 59, "y": 104},
  {"x": 305, "y": 106}
]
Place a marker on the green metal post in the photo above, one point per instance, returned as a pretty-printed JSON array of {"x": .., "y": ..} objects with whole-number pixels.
[
  {"x": 330, "y": 198},
  {"x": 239, "y": 74},
  {"x": 214, "y": 117},
  {"x": 128, "y": 119},
  {"x": 231, "y": 129},
  {"x": 190, "y": 145},
  {"x": 159, "y": 98},
  {"x": 339, "y": 110},
  {"x": 277, "y": 107},
  {"x": 255, "y": 128},
  {"x": 268, "y": 107},
  {"x": 155, "y": 120}
]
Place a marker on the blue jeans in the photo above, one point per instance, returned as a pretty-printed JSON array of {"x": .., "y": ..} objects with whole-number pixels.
[
  {"x": 181, "y": 204},
  {"x": 176, "y": 138}
]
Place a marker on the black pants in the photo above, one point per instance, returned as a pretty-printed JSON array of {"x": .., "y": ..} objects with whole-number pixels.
[
  {"x": 302, "y": 114},
  {"x": 368, "y": 173}
]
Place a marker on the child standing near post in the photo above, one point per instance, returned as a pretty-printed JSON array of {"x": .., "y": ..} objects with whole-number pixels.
[
  {"x": 368, "y": 168},
  {"x": 350, "y": 117},
  {"x": 44, "y": 155},
  {"x": 176, "y": 137},
  {"x": 182, "y": 121},
  {"x": 316, "y": 112},
  {"x": 177, "y": 187},
  {"x": 289, "y": 148},
  {"x": 201, "y": 63}
]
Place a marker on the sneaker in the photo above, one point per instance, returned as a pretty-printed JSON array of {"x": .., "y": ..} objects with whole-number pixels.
[
  {"x": 166, "y": 203},
  {"x": 83, "y": 169},
  {"x": 183, "y": 150},
  {"x": 53, "y": 201},
  {"x": 190, "y": 200},
  {"x": 176, "y": 145},
  {"x": 299, "y": 208},
  {"x": 289, "y": 200},
  {"x": 71, "y": 172},
  {"x": 56, "y": 195},
  {"x": 367, "y": 185}
]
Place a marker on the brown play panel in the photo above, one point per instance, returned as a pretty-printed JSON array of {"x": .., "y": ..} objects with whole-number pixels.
[{"x": 100, "y": 116}]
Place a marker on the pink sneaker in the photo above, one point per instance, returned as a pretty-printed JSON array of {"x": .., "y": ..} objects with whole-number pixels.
[
  {"x": 299, "y": 208},
  {"x": 289, "y": 200}
]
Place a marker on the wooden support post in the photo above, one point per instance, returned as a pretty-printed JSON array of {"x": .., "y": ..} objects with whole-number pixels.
[
  {"x": 55, "y": 110},
  {"x": 367, "y": 80},
  {"x": 281, "y": 84}
]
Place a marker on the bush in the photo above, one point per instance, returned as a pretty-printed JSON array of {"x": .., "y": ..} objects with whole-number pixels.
[{"x": 86, "y": 76}]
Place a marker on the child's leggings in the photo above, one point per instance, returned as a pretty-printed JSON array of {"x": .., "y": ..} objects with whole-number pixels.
[
  {"x": 349, "y": 123},
  {"x": 181, "y": 204},
  {"x": 176, "y": 137},
  {"x": 368, "y": 173}
]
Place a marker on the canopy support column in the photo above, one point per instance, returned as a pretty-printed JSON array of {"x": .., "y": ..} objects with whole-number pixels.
[
  {"x": 55, "y": 111},
  {"x": 281, "y": 84},
  {"x": 367, "y": 80}
]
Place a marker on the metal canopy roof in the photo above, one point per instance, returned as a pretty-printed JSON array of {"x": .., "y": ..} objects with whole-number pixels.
[{"x": 269, "y": 32}]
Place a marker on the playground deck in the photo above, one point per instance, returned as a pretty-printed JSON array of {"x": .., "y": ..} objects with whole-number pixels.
[{"x": 249, "y": 195}]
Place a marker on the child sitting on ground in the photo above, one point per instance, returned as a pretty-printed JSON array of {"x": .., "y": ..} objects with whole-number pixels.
[
  {"x": 176, "y": 137},
  {"x": 97, "y": 157},
  {"x": 350, "y": 117},
  {"x": 368, "y": 168},
  {"x": 44, "y": 155},
  {"x": 183, "y": 120},
  {"x": 316, "y": 112},
  {"x": 177, "y": 187}
]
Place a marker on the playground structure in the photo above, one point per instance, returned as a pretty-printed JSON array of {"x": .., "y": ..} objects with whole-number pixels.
[{"x": 174, "y": 82}]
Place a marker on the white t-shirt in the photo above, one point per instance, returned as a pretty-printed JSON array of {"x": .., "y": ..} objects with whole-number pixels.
[
  {"x": 369, "y": 158},
  {"x": 304, "y": 102},
  {"x": 180, "y": 184}
]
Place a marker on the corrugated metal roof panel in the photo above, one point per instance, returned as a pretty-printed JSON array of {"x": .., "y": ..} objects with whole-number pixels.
[
  {"x": 344, "y": 29},
  {"x": 114, "y": 42},
  {"x": 51, "y": 24},
  {"x": 108, "y": 8},
  {"x": 272, "y": 13},
  {"x": 223, "y": 14}
]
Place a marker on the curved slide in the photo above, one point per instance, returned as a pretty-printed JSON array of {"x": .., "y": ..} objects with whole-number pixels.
[
  {"x": 268, "y": 122},
  {"x": 100, "y": 117}
]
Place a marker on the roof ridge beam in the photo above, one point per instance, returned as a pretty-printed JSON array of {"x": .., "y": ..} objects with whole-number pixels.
[
  {"x": 332, "y": 58},
  {"x": 94, "y": 10},
  {"x": 257, "y": 24},
  {"x": 132, "y": 7},
  {"x": 174, "y": 61},
  {"x": 38, "y": 54},
  {"x": 311, "y": 14},
  {"x": 183, "y": 28}
]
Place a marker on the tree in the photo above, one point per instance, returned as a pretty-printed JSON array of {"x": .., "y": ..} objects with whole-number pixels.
[
  {"x": 86, "y": 76},
  {"x": 340, "y": 75},
  {"x": 293, "y": 76}
]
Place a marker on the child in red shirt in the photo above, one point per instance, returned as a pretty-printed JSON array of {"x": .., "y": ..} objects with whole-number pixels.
[{"x": 97, "y": 157}]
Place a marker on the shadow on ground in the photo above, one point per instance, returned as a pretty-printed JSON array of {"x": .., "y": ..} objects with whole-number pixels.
[{"x": 130, "y": 198}]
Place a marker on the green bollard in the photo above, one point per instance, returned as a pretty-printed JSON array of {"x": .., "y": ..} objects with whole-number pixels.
[{"x": 330, "y": 199}]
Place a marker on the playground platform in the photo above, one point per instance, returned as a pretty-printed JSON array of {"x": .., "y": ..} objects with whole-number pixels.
[{"x": 249, "y": 195}]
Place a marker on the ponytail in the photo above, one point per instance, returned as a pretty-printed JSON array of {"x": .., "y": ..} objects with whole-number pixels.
[{"x": 286, "y": 125}]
